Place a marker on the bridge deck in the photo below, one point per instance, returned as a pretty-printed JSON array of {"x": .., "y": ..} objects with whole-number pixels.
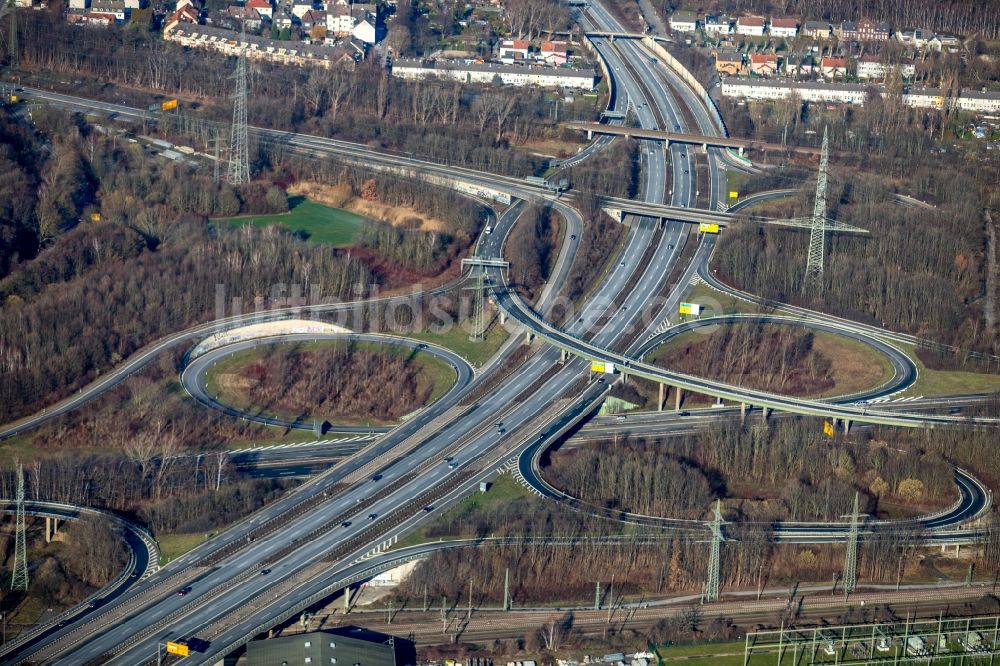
[{"x": 682, "y": 137}]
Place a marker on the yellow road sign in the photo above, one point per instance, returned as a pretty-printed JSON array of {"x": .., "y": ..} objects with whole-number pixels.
[
  {"x": 178, "y": 648},
  {"x": 828, "y": 428},
  {"x": 734, "y": 195},
  {"x": 689, "y": 309},
  {"x": 597, "y": 366},
  {"x": 708, "y": 228},
  {"x": 169, "y": 104}
]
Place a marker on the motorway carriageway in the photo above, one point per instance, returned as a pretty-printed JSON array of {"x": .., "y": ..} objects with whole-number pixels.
[{"x": 535, "y": 404}]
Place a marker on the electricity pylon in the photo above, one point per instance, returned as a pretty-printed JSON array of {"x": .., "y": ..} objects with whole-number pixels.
[
  {"x": 714, "y": 558},
  {"x": 239, "y": 149},
  {"x": 851, "y": 556},
  {"x": 813, "y": 284},
  {"x": 12, "y": 42},
  {"x": 478, "y": 330},
  {"x": 19, "y": 579}
]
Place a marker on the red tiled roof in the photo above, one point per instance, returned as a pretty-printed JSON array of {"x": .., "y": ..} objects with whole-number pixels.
[
  {"x": 784, "y": 23},
  {"x": 754, "y": 21},
  {"x": 763, "y": 57}
]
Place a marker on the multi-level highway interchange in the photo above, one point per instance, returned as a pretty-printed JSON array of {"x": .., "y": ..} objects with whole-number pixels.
[{"x": 316, "y": 540}]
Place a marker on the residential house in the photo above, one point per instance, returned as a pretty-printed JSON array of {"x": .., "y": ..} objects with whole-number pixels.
[
  {"x": 729, "y": 63},
  {"x": 339, "y": 20},
  {"x": 750, "y": 25},
  {"x": 981, "y": 102},
  {"x": 799, "y": 66},
  {"x": 941, "y": 42},
  {"x": 784, "y": 27},
  {"x": 513, "y": 49},
  {"x": 917, "y": 38},
  {"x": 313, "y": 18},
  {"x": 248, "y": 17},
  {"x": 79, "y": 4},
  {"x": 683, "y": 22},
  {"x": 925, "y": 98},
  {"x": 763, "y": 64},
  {"x": 115, "y": 8},
  {"x": 186, "y": 14},
  {"x": 554, "y": 53},
  {"x": 282, "y": 20},
  {"x": 870, "y": 31},
  {"x": 300, "y": 7},
  {"x": 871, "y": 67},
  {"x": 260, "y": 48},
  {"x": 832, "y": 68},
  {"x": 853, "y": 93},
  {"x": 816, "y": 29},
  {"x": 342, "y": 19},
  {"x": 846, "y": 31},
  {"x": 262, "y": 7},
  {"x": 807, "y": 91},
  {"x": 511, "y": 75},
  {"x": 717, "y": 24},
  {"x": 364, "y": 30}
]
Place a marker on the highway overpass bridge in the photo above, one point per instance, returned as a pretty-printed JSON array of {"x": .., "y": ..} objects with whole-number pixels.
[
  {"x": 618, "y": 208},
  {"x": 682, "y": 137}
]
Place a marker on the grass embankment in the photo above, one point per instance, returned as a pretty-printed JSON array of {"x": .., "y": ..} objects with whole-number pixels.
[
  {"x": 316, "y": 222},
  {"x": 456, "y": 338},
  {"x": 946, "y": 382},
  {"x": 173, "y": 546},
  {"x": 224, "y": 379},
  {"x": 503, "y": 490}
]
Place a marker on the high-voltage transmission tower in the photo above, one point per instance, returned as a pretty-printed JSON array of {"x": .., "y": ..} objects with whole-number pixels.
[
  {"x": 714, "y": 558},
  {"x": 12, "y": 42},
  {"x": 19, "y": 579},
  {"x": 478, "y": 330},
  {"x": 851, "y": 556},
  {"x": 239, "y": 144},
  {"x": 813, "y": 284}
]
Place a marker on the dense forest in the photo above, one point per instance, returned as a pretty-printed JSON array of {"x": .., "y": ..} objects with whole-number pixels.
[
  {"x": 331, "y": 382},
  {"x": 779, "y": 471},
  {"x": 921, "y": 271},
  {"x": 768, "y": 358},
  {"x": 97, "y": 291},
  {"x": 533, "y": 246},
  {"x": 540, "y": 574},
  {"x": 86, "y": 556}
]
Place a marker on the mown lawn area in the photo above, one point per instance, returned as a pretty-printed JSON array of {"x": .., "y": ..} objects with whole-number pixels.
[{"x": 314, "y": 222}]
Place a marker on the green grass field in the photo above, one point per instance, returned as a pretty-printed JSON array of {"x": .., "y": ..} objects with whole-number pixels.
[
  {"x": 316, "y": 222},
  {"x": 947, "y": 382},
  {"x": 457, "y": 339}
]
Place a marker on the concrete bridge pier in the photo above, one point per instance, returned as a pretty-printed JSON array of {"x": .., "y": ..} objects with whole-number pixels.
[
  {"x": 51, "y": 528},
  {"x": 590, "y": 135},
  {"x": 662, "y": 399},
  {"x": 562, "y": 356},
  {"x": 503, "y": 317},
  {"x": 741, "y": 150},
  {"x": 528, "y": 337},
  {"x": 743, "y": 412},
  {"x": 678, "y": 397},
  {"x": 764, "y": 413},
  {"x": 847, "y": 426}
]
